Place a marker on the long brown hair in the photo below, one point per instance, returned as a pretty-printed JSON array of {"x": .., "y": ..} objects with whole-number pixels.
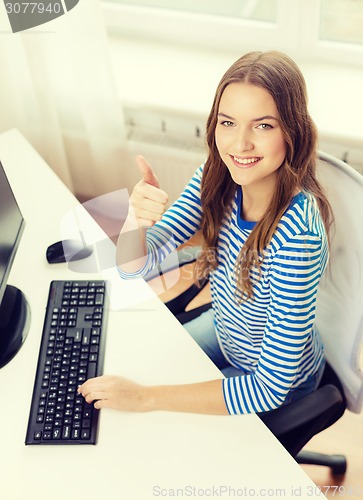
[{"x": 281, "y": 78}]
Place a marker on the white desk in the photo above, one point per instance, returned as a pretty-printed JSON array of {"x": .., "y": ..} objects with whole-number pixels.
[{"x": 138, "y": 456}]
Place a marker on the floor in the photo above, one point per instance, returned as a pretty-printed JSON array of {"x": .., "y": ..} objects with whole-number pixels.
[{"x": 344, "y": 437}]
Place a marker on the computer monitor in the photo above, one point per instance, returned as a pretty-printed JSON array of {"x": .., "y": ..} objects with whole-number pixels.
[{"x": 14, "y": 310}]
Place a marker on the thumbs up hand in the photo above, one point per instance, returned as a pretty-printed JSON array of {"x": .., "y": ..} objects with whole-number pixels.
[{"x": 148, "y": 201}]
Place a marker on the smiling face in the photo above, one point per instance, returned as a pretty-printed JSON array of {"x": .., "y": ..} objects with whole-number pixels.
[{"x": 249, "y": 138}]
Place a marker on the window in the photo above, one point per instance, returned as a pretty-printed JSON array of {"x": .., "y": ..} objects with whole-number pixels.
[
  {"x": 341, "y": 21},
  {"x": 328, "y": 30},
  {"x": 261, "y": 10},
  {"x": 226, "y": 25}
]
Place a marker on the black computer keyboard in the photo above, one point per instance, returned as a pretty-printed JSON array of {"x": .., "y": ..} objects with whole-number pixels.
[{"x": 71, "y": 351}]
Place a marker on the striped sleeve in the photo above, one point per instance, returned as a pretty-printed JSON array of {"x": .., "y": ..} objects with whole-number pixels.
[
  {"x": 294, "y": 277},
  {"x": 179, "y": 223}
]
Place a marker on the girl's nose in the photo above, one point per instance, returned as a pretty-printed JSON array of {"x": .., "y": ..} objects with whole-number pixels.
[{"x": 245, "y": 142}]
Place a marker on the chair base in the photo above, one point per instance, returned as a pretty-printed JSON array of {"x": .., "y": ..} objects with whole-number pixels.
[{"x": 337, "y": 463}]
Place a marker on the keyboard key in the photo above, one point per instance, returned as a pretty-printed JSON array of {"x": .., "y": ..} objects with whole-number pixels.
[
  {"x": 92, "y": 367},
  {"x": 85, "y": 434},
  {"x": 76, "y": 434},
  {"x": 66, "y": 432}
]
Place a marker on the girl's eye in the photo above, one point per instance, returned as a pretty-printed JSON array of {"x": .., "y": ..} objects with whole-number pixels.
[
  {"x": 264, "y": 126},
  {"x": 227, "y": 123}
]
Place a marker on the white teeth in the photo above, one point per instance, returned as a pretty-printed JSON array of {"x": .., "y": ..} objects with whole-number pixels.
[{"x": 246, "y": 161}]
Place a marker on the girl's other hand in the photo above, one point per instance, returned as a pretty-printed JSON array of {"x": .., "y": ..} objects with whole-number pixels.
[{"x": 148, "y": 201}]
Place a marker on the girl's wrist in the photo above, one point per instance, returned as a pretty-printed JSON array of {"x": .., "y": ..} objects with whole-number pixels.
[{"x": 148, "y": 398}]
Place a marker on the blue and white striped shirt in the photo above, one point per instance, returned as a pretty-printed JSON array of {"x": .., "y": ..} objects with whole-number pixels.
[{"x": 270, "y": 336}]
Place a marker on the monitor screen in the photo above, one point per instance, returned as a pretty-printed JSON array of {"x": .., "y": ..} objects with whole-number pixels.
[{"x": 13, "y": 307}]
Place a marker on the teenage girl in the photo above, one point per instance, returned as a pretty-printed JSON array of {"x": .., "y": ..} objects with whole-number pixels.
[{"x": 264, "y": 220}]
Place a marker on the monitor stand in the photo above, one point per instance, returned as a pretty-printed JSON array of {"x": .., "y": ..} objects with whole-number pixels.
[{"x": 14, "y": 323}]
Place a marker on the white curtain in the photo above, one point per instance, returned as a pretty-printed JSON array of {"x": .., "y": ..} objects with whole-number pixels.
[{"x": 56, "y": 87}]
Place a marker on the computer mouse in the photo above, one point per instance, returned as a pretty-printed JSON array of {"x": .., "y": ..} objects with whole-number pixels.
[{"x": 67, "y": 251}]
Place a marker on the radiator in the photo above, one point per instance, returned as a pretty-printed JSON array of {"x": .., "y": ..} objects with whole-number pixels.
[{"x": 172, "y": 142}]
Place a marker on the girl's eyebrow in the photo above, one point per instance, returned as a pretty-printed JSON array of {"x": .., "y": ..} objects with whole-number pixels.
[
  {"x": 266, "y": 117},
  {"x": 225, "y": 116}
]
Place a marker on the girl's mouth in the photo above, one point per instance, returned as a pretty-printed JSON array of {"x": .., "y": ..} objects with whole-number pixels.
[{"x": 245, "y": 162}]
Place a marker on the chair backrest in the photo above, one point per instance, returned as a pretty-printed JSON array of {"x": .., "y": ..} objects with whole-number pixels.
[{"x": 340, "y": 297}]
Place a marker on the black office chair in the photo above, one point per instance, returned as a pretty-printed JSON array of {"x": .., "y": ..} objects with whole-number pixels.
[{"x": 339, "y": 318}]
